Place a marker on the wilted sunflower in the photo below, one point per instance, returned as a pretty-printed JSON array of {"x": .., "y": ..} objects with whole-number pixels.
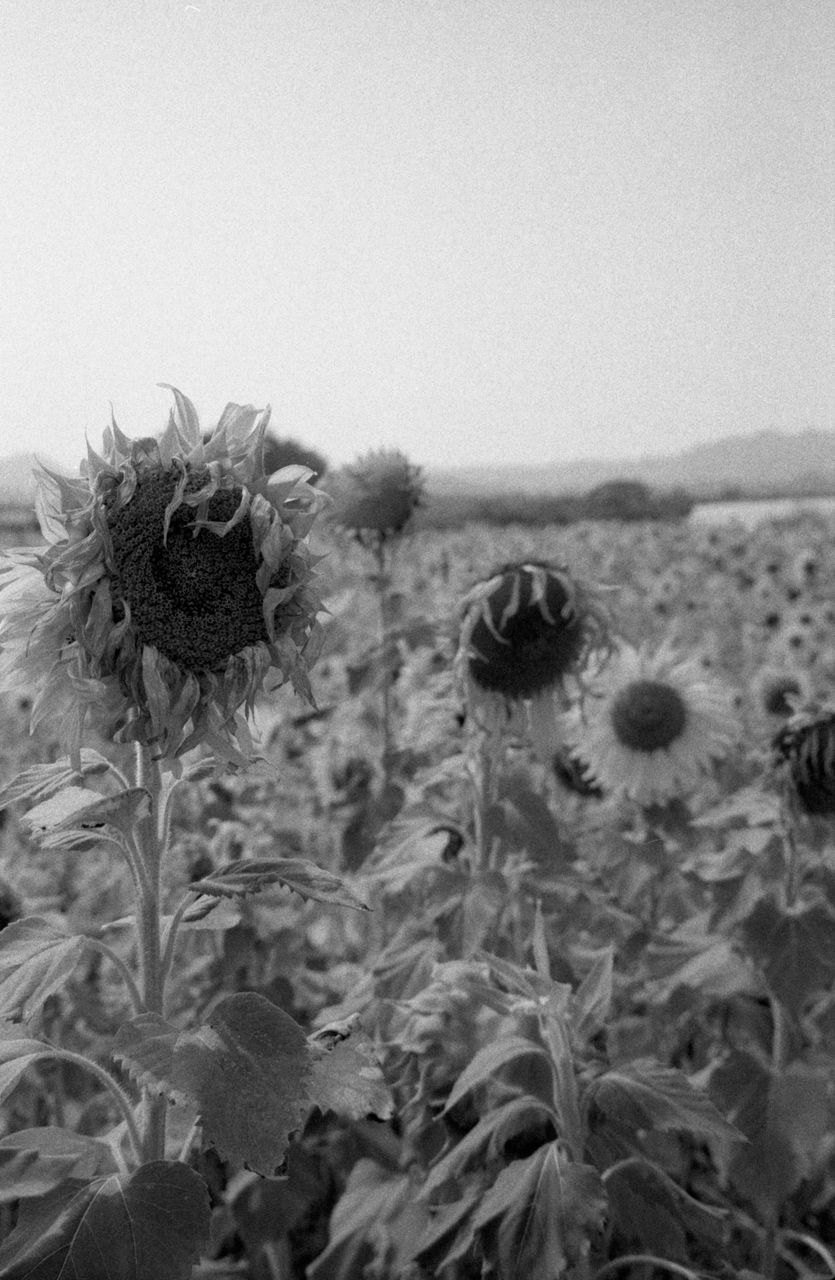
[
  {"x": 174, "y": 587},
  {"x": 377, "y": 495},
  {"x": 527, "y": 631},
  {"x": 651, "y": 726},
  {"x": 805, "y": 756}
]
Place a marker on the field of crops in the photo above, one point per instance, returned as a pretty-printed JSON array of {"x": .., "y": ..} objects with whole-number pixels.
[{"x": 547, "y": 1007}]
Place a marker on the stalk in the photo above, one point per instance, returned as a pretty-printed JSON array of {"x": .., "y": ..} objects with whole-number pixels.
[
  {"x": 150, "y": 848},
  {"x": 382, "y": 584}
]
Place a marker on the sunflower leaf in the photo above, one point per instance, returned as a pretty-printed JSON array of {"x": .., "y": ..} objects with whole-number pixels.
[
  {"x": 36, "y": 958},
  {"x": 645, "y": 1095},
  {"x": 248, "y": 1072},
  {"x": 488, "y": 1060},
  {"x": 78, "y": 811},
  {"x": 539, "y": 1213},
  {"x": 151, "y": 1223},
  {"x": 35, "y": 1161},
  {"x": 794, "y": 949},
  {"x": 41, "y": 781},
  {"x": 253, "y": 875},
  {"x": 346, "y": 1078},
  {"x": 144, "y": 1046}
]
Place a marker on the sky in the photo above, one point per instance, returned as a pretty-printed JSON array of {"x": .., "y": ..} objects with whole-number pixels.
[{"x": 479, "y": 231}]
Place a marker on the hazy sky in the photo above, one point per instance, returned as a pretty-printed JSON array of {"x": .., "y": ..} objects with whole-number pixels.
[{"x": 477, "y": 230}]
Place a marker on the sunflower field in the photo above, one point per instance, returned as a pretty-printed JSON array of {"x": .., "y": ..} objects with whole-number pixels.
[{"x": 389, "y": 905}]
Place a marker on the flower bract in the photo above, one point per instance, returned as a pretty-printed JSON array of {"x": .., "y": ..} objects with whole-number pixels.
[
  {"x": 651, "y": 726},
  {"x": 176, "y": 584}
]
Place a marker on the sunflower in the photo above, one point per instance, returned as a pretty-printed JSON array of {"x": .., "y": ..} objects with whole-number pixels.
[
  {"x": 651, "y": 726},
  {"x": 377, "y": 495},
  {"x": 528, "y": 631},
  {"x": 175, "y": 585},
  {"x": 778, "y": 690},
  {"x": 804, "y": 753}
]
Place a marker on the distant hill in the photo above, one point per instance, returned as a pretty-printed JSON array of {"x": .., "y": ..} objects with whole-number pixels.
[{"x": 765, "y": 463}]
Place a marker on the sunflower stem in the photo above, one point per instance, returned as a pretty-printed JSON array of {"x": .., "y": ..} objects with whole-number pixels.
[
  {"x": 152, "y": 980},
  {"x": 382, "y": 582}
]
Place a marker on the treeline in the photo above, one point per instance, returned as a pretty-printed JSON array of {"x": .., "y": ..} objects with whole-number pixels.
[{"x": 614, "y": 500}]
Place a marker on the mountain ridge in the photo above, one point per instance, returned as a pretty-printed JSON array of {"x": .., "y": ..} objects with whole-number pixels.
[{"x": 766, "y": 461}]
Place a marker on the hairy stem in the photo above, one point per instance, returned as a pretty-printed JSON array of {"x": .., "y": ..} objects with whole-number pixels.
[
  {"x": 120, "y": 1098},
  {"x": 150, "y": 846},
  {"x": 95, "y": 944}
]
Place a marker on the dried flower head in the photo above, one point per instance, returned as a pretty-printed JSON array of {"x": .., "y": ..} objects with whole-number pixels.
[
  {"x": 804, "y": 753},
  {"x": 651, "y": 726},
  {"x": 527, "y": 633},
  {"x": 175, "y": 586},
  {"x": 377, "y": 495}
]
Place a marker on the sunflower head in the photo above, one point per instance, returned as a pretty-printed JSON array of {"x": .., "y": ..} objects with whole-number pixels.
[
  {"x": 651, "y": 726},
  {"x": 527, "y": 629},
  {"x": 779, "y": 691},
  {"x": 804, "y": 753},
  {"x": 377, "y": 495},
  {"x": 175, "y": 585}
]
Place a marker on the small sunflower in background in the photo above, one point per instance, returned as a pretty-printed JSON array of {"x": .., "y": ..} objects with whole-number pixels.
[
  {"x": 651, "y": 726},
  {"x": 528, "y": 632},
  {"x": 779, "y": 690},
  {"x": 376, "y": 496},
  {"x": 804, "y": 755},
  {"x": 175, "y": 585}
]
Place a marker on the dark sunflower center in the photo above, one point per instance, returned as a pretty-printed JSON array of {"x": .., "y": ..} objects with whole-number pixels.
[
  {"x": 776, "y": 695},
  {"x": 810, "y": 754},
  {"x": 647, "y": 715},
  {"x": 534, "y": 653},
  {"x": 195, "y": 598}
]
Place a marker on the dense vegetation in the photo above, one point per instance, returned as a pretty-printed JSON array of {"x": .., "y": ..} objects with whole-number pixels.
[{"x": 597, "y": 1037}]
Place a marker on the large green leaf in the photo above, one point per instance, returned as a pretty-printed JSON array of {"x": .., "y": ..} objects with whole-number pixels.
[
  {"x": 151, "y": 1224},
  {"x": 645, "y": 1095},
  {"x": 373, "y": 1201},
  {"x": 247, "y": 1071},
  {"x": 36, "y": 958},
  {"x": 35, "y": 1161},
  {"x": 795, "y": 949},
  {"x": 539, "y": 1215},
  {"x": 253, "y": 875}
]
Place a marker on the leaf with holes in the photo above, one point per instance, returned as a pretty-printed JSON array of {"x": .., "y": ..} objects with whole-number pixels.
[
  {"x": 253, "y": 875},
  {"x": 347, "y": 1079},
  {"x": 36, "y": 958},
  {"x": 248, "y": 1072},
  {"x": 76, "y": 813},
  {"x": 153, "y": 1223}
]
